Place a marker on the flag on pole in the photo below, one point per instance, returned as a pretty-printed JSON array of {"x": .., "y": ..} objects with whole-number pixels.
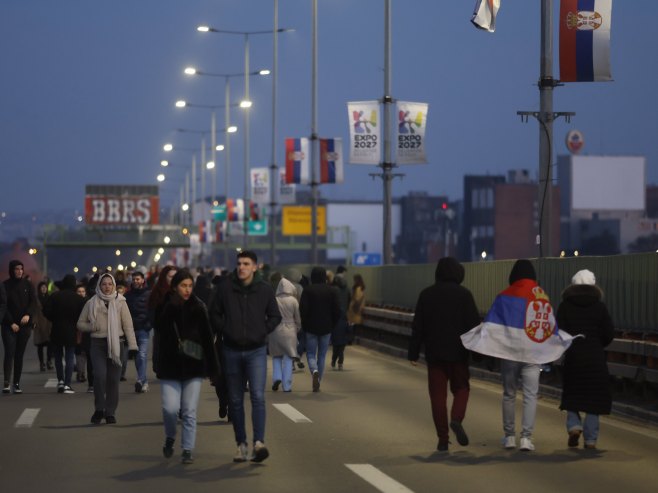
[
  {"x": 585, "y": 40},
  {"x": 520, "y": 326},
  {"x": 297, "y": 161},
  {"x": 234, "y": 210},
  {"x": 484, "y": 15},
  {"x": 331, "y": 161}
]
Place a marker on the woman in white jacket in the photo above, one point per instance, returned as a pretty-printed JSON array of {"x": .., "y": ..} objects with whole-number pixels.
[
  {"x": 107, "y": 318},
  {"x": 282, "y": 343}
]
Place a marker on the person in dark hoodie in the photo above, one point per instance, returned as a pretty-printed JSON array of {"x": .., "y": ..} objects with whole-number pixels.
[
  {"x": 444, "y": 312},
  {"x": 17, "y": 324},
  {"x": 63, "y": 309},
  {"x": 320, "y": 311},
  {"x": 586, "y": 381},
  {"x": 137, "y": 300},
  {"x": 243, "y": 311}
]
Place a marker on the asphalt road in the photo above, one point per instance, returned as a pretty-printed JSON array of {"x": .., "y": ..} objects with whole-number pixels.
[{"x": 369, "y": 429}]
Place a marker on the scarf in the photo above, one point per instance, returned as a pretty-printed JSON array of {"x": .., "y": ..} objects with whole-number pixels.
[{"x": 113, "y": 317}]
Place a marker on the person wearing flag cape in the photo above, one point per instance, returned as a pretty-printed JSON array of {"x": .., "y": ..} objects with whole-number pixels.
[{"x": 520, "y": 329}]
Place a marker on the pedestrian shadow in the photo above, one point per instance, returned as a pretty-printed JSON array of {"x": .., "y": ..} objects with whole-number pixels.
[
  {"x": 100, "y": 426},
  {"x": 194, "y": 472}
]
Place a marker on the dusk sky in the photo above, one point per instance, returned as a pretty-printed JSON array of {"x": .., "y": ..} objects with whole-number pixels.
[{"x": 88, "y": 88}]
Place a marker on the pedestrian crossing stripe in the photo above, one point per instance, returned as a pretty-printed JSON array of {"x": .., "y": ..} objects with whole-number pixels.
[
  {"x": 378, "y": 479},
  {"x": 291, "y": 413},
  {"x": 26, "y": 419},
  {"x": 51, "y": 383}
]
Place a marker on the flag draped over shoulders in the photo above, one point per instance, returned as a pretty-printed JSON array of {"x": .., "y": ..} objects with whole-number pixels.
[{"x": 520, "y": 326}]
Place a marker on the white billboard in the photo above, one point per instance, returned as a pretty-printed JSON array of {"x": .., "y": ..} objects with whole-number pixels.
[{"x": 608, "y": 183}]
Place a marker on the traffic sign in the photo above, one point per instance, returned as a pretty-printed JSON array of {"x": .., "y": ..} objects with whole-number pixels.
[
  {"x": 363, "y": 258},
  {"x": 219, "y": 212}
]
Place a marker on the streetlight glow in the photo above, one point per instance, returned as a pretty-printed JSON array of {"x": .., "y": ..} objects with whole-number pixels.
[
  {"x": 219, "y": 147},
  {"x": 167, "y": 240},
  {"x": 232, "y": 129},
  {"x": 203, "y": 29},
  {"x": 168, "y": 147},
  {"x": 190, "y": 70},
  {"x": 140, "y": 252},
  {"x": 117, "y": 253},
  {"x": 160, "y": 251},
  {"x": 245, "y": 104},
  {"x": 160, "y": 177},
  {"x": 75, "y": 269},
  {"x": 264, "y": 72},
  {"x": 210, "y": 165},
  {"x": 185, "y": 207},
  {"x": 181, "y": 103},
  {"x": 164, "y": 163}
]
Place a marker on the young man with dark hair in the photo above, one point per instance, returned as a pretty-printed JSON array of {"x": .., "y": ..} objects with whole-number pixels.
[
  {"x": 243, "y": 311},
  {"x": 137, "y": 299}
]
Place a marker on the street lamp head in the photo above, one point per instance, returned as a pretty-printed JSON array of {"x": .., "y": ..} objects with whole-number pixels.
[
  {"x": 161, "y": 177},
  {"x": 219, "y": 147},
  {"x": 190, "y": 71},
  {"x": 210, "y": 165},
  {"x": 245, "y": 104},
  {"x": 203, "y": 29},
  {"x": 264, "y": 72},
  {"x": 232, "y": 129},
  {"x": 168, "y": 147},
  {"x": 164, "y": 163},
  {"x": 181, "y": 103},
  {"x": 185, "y": 208}
]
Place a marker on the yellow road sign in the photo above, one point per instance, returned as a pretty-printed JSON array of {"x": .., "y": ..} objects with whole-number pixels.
[{"x": 296, "y": 220}]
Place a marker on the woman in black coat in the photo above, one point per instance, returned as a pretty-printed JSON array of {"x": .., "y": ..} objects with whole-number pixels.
[
  {"x": 586, "y": 386},
  {"x": 184, "y": 318}
]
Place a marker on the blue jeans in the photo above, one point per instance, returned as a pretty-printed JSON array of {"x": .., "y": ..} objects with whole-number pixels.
[
  {"x": 246, "y": 366},
  {"x": 589, "y": 426},
  {"x": 316, "y": 352},
  {"x": 180, "y": 395},
  {"x": 282, "y": 370},
  {"x": 142, "y": 337},
  {"x": 511, "y": 372},
  {"x": 64, "y": 371}
]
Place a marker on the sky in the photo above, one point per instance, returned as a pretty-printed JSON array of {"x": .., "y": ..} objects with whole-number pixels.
[{"x": 87, "y": 90}]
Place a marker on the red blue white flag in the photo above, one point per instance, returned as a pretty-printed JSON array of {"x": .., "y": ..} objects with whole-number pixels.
[
  {"x": 234, "y": 210},
  {"x": 331, "y": 160},
  {"x": 585, "y": 40},
  {"x": 297, "y": 161},
  {"x": 484, "y": 15},
  {"x": 520, "y": 326}
]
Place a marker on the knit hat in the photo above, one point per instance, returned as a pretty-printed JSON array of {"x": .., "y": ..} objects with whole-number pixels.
[
  {"x": 522, "y": 269},
  {"x": 584, "y": 277}
]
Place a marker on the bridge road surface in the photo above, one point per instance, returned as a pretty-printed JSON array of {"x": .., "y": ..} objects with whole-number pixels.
[{"x": 368, "y": 430}]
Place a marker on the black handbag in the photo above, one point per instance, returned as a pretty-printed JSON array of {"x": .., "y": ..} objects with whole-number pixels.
[{"x": 189, "y": 348}]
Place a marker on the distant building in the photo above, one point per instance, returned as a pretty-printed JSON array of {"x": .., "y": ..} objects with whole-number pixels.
[{"x": 478, "y": 219}]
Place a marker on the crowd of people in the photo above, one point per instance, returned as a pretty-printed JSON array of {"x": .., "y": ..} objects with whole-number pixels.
[
  {"x": 220, "y": 327},
  {"x": 223, "y": 328}
]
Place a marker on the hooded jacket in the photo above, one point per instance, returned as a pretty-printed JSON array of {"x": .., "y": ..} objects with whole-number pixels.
[
  {"x": 244, "y": 315},
  {"x": 21, "y": 298},
  {"x": 319, "y": 305},
  {"x": 444, "y": 312},
  {"x": 586, "y": 382},
  {"x": 283, "y": 341},
  {"x": 137, "y": 301},
  {"x": 63, "y": 309}
]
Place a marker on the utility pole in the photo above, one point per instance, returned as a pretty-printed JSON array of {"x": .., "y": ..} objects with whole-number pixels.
[{"x": 314, "y": 136}]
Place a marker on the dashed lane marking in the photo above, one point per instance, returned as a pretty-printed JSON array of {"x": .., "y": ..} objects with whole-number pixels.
[
  {"x": 51, "y": 383},
  {"x": 27, "y": 418},
  {"x": 291, "y": 413},
  {"x": 378, "y": 479}
]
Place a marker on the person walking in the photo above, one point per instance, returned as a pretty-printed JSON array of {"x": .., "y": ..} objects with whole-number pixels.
[
  {"x": 63, "y": 310},
  {"x": 137, "y": 300},
  {"x": 320, "y": 311},
  {"x": 158, "y": 299},
  {"x": 185, "y": 357},
  {"x": 357, "y": 302},
  {"x": 586, "y": 381},
  {"x": 42, "y": 327},
  {"x": 445, "y": 311},
  {"x": 339, "y": 334},
  {"x": 107, "y": 318},
  {"x": 243, "y": 312},
  {"x": 85, "y": 343},
  {"x": 16, "y": 324},
  {"x": 282, "y": 342}
]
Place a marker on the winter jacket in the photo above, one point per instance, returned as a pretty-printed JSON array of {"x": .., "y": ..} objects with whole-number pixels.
[
  {"x": 283, "y": 341},
  {"x": 443, "y": 313},
  {"x": 63, "y": 309},
  {"x": 3, "y": 301},
  {"x": 340, "y": 332},
  {"x": 21, "y": 298},
  {"x": 355, "y": 310},
  {"x": 319, "y": 306},
  {"x": 192, "y": 323},
  {"x": 137, "y": 301},
  {"x": 42, "y": 326},
  {"x": 586, "y": 382},
  {"x": 244, "y": 315},
  {"x": 99, "y": 330}
]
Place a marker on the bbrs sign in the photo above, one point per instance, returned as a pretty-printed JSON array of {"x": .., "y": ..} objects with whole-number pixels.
[{"x": 121, "y": 204}]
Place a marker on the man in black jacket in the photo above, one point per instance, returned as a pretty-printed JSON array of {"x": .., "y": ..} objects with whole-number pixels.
[
  {"x": 137, "y": 300},
  {"x": 63, "y": 309},
  {"x": 444, "y": 312},
  {"x": 319, "y": 308},
  {"x": 243, "y": 311},
  {"x": 17, "y": 323}
]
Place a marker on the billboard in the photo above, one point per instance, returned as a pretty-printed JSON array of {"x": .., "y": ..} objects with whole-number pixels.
[{"x": 121, "y": 205}]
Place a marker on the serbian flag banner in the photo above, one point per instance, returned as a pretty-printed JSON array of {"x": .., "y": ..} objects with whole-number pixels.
[
  {"x": 520, "y": 326},
  {"x": 234, "y": 210},
  {"x": 297, "y": 161},
  {"x": 585, "y": 40},
  {"x": 484, "y": 15},
  {"x": 331, "y": 161}
]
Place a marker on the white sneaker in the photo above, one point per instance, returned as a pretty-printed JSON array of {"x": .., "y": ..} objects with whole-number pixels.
[
  {"x": 145, "y": 387},
  {"x": 260, "y": 452},
  {"x": 242, "y": 454},
  {"x": 526, "y": 445},
  {"x": 509, "y": 442}
]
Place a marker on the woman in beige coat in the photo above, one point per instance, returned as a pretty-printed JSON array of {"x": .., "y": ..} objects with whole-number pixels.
[
  {"x": 282, "y": 343},
  {"x": 357, "y": 302},
  {"x": 107, "y": 318}
]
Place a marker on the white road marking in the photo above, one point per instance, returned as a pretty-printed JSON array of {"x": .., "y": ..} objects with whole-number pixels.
[
  {"x": 291, "y": 413},
  {"x": 378, "y": 479},
  {"x": 51, "y": 383},
  {"x": 27, "y": 418}
]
